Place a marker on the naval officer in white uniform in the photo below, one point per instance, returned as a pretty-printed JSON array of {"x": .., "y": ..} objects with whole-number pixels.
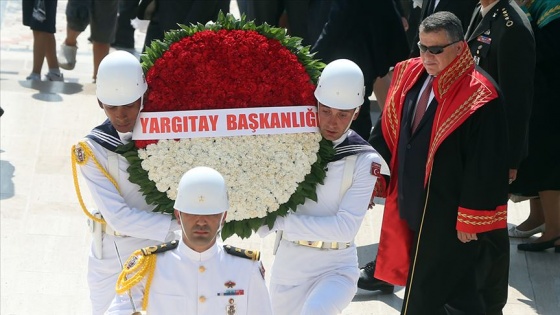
[
  {"x": 316, "y": 266},
  {"x": 197, "y": 275},
  {"x": 129, "y": 222}
]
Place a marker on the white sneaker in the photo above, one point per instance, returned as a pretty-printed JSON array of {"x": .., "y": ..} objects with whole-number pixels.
[
  {"x": 55, "y": 76},
  {"x": 33, "y": 77},
  {"x": 67, "y": 56}
]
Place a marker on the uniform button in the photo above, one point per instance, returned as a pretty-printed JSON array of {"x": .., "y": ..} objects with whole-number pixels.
[
  {"x": 408, "y": 146},
  {"x": 202, "y": 299},
  {"x": 201, "y": 269}
]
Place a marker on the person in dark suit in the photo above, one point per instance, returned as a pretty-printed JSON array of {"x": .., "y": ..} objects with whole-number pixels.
[
  {"x": 371, "y": 34},
  {"x": 444, "y": 136},
  {"x": 169, "y": 13},
  {"x": 463, "y": 9},
  {"x": 502, "y": 43},
  {"x": 305, "y": 18}
]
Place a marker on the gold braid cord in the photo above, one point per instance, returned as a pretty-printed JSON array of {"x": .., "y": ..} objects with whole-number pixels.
[
  {"x": 80, "y": 154},
  {"x": 134, "y": 270}
]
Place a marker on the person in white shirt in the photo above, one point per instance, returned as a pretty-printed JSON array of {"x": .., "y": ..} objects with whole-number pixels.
[
  {"x": 122, "y": 220},
  {"x": 316, "y": 266},
  {"x": 198, "y": 274}
]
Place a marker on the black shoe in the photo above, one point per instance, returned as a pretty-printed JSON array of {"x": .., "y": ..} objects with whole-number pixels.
[
  {"x": 540, "y": 246},
  {"x": 368, "y": 282}
]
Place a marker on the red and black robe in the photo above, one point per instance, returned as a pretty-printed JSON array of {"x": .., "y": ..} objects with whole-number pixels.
[{"x": 463, "y": 180}]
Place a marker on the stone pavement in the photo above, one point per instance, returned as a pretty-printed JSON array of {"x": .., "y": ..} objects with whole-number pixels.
[{"x": 44, "y": 239}]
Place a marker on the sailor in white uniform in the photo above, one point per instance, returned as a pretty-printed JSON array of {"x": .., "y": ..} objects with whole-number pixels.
[
  {"x": 122, "y": 220},
  {"x": 316, "y": 266},
  {"x": 196, "y": 275}
]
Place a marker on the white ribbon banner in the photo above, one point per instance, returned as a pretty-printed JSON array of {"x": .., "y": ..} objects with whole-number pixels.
[{"x": 225, "y": 122}]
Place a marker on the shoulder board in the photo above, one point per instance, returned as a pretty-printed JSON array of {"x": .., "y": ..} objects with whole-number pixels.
[
  {"x": 160, "y": 248},
  {"x": 243, "y": 253}
]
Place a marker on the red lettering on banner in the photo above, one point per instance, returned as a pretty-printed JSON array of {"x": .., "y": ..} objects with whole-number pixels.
[
  {"x": 185, "y": 123},
  {"x": 253, "y": 122},
  {"x": 242, "y": 124},
  {"x": 154, "y": 125},
  {"x": 237, "y": 121},
  {"x": 310, "y": 118},
  {"x": 285, "y": 119},
  {"x": 274, "y": 120},
  {"x": 213, "y": 121},
  {"x": 231, "y": 124},
  {"x": 192, "y": 120},
  {"x": 295, "y": 119},
  {"x": 144, "y": 124},
  {"x": 165, "y": 125},
  {"x": 263, "y": 119},
  {"x": 203, "y": 125},
  {"x": 176, "y": 124}
]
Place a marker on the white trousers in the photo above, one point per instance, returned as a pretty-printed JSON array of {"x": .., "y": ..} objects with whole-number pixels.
[
  {"x": 326, "y": 295},
  {"x": 103, "y": 273}
]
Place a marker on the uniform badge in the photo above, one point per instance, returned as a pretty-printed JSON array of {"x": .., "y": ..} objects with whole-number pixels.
[
  {"x": 131, "y": 263},
  {"x": 484, "y": 39},
  {"x": 80, "y": 154},
  {"x": 375, "y": 169},
  {"x": 230, "y": 292},
  {"x": 230, "y": 308},
  {"x": 229, "y": 284}
]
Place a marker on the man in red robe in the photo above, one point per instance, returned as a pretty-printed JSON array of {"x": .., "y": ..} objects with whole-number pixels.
[{"x": 443, "y": 133}]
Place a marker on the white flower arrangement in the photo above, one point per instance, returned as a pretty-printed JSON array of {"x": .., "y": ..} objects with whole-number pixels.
[{"x": 261, "y": 171}]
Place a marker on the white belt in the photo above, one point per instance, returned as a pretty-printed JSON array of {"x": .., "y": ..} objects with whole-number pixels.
[
  {"x": 107, "y": 229},
  {"x": 323, "y": 245}
]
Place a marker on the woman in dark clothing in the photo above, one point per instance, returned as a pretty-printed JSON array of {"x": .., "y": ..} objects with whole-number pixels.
[{"x": 539, "y": 173}]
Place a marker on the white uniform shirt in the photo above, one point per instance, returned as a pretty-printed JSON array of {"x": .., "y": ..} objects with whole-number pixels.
[
  {"x": 331, "y": 219},
  {"x": 188, "y": 282},
  {"x": 126, "y": 212}
]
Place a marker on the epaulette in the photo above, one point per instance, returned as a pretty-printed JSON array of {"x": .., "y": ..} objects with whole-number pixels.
[
  {"x": 159, "y": 248},
  {"x": 141, "y": 264},
  {"x": 243, "y": 253},
  {"x": 138, "y": 256},
  {"x": 509, "y": 22}
]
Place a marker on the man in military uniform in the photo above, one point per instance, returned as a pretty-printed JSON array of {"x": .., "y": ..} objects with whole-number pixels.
[
  {"x": 123, "y": 219},
  {"x": 502, "y": 44},
  {"x": 323, "y": 231},
  {"x": 197, "y": 275}
]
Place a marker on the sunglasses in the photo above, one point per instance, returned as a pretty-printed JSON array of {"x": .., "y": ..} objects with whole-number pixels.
[{"x": 434, "y": 50}]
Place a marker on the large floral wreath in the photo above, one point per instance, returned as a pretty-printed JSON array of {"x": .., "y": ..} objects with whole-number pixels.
[{"x": 232, "y": 64}]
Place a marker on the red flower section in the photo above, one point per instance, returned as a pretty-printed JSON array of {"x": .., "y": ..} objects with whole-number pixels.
[{"x": 226, "y": 69}]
